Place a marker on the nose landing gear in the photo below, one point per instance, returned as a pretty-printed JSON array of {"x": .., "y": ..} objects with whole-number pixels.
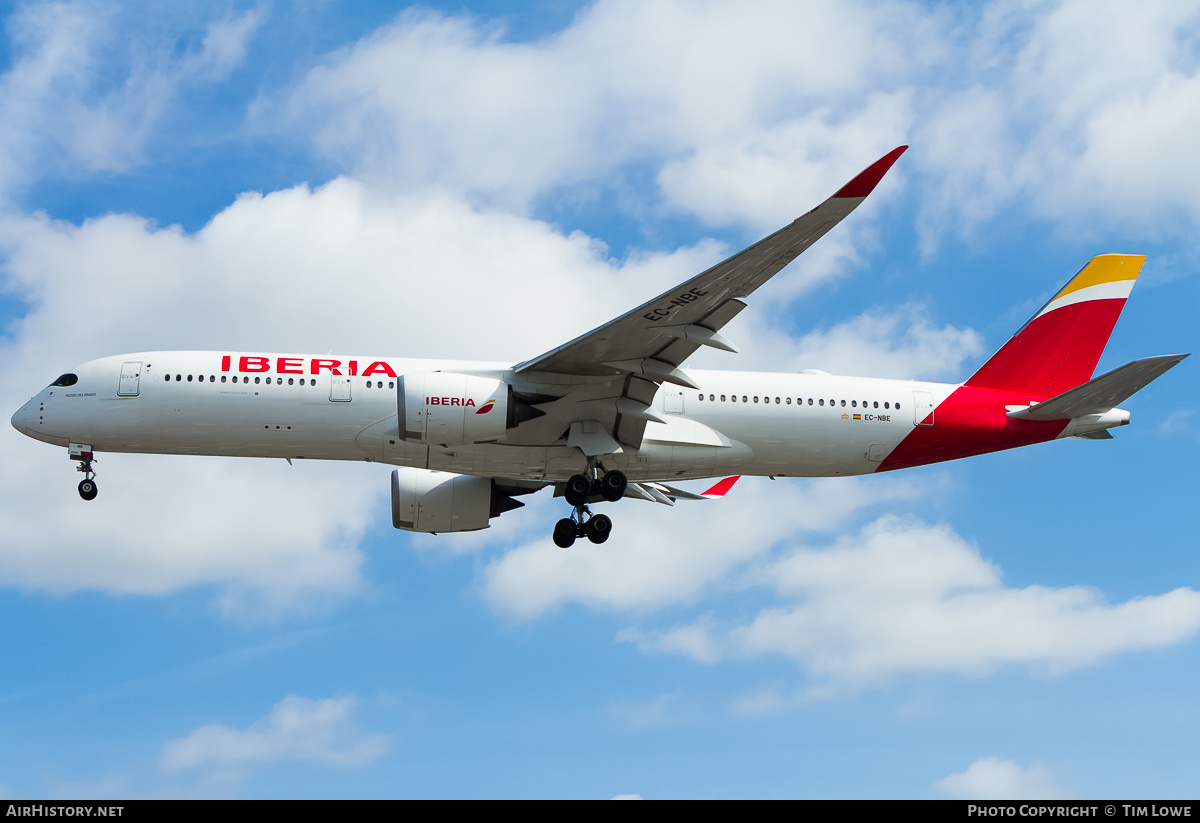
[
  {"x": 580, "y": 489},
  {"x": 87, "y": 486}
]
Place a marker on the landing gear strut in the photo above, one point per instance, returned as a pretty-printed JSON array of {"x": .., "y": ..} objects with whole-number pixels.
[
  {"x": 87, "y": 486},
  {"x": 582, "y": 523}
]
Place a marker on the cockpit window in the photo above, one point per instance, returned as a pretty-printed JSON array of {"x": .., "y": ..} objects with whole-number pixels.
[{"x": 66, "y": 380}]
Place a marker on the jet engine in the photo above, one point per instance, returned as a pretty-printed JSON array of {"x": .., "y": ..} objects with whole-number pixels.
[
  {"x": 448, "y": 409},
  {"x": 452, "y": 409},
  {"x": 432, "y": 501}
]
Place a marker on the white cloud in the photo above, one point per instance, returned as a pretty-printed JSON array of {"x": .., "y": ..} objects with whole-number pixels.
[
  {"x": 672, "y": 555},
  {"x": 224, "y": 46},
  {"x": 1075, "y": 111},
  {"x": 736, "y": 104},
  {"x": 296, "y": 729},
  {"x": 389, "y": 274},
  {"x": 743, "y": 115},
  {"x": 903, "y": 597},
  {"x": 763, "y": 176},
  {"x": 88, "y": 85},
  {"x": 991, "y": 778},
  {"x": 900, "y": 343},
  {"x": 271, "y": 538}
]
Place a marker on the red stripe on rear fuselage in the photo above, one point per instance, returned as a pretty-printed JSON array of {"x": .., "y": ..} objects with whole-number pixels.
[{"x": 971, "y": 421}]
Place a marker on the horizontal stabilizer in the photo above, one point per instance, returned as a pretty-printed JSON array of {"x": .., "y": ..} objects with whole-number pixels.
[
  {"x": 722, "y": 487},
  {"x": 1100, "y": 434},
  {"x": 662, "y": 493},
  {"x": 1102, "y": 393}
]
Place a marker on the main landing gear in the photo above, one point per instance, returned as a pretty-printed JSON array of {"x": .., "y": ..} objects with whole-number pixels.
[
  {"x": 87, "y": 486},
  {"x": 580, "y": 489}
]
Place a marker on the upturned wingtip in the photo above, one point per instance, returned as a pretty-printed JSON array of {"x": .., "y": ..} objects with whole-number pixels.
[{"x": 869, "y": 178}]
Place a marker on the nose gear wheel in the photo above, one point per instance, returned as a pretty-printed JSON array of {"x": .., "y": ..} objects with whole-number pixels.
[
  {"x": 87, "y": 486},
  {"x": 87, "y": 489}
]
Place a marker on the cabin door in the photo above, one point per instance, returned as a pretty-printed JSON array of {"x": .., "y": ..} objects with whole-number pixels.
[
  {"x": 922, "y": 408},
  {"x": 339, "y": 389},
  {"x": 130, "y": 374}
]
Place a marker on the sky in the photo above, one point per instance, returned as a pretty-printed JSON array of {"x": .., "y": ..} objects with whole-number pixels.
[{"x": 489, "y": 180}]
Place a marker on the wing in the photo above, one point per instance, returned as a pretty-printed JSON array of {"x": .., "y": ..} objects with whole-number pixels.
[{"x": 648, "y": 344}]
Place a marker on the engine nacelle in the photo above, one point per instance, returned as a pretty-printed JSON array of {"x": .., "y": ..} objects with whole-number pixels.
[
  {"x": 432, "y": 501},
  {"x": 450, "y": 409}
]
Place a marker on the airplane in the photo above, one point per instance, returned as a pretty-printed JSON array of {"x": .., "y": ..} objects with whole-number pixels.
[{"x": 613, "y": 413}]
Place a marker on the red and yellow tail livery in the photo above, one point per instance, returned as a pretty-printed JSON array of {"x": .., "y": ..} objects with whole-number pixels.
[
  {"x": 1052, "y": 357},
  {"x": 1060, "y": 345}
]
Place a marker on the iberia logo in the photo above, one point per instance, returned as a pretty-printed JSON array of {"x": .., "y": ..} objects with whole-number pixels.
[{"x": 486, "y": 407}]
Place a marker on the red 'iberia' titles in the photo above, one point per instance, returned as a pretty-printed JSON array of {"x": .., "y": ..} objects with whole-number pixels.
[{"x": 295, "y": 365}]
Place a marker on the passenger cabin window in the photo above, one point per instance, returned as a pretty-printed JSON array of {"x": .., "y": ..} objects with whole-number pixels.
[{"x": 67, "y": 379}]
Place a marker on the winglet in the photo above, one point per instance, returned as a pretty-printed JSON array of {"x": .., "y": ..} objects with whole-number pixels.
[
  {"x": 721, "y": 488},
  {"x": 866, "y": 181}
]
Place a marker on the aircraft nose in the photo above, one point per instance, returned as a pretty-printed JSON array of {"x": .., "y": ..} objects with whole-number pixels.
[{"x": 18, "y": 419}]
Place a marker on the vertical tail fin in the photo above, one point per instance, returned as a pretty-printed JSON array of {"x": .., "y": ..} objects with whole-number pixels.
[{"x": 1060, "y": 345}]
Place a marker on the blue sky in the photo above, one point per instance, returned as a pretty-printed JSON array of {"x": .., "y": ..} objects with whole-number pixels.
[{"x": 474, "y": 180}]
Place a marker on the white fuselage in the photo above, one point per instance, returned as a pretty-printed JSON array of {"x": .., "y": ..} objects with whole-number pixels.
[{"x": 296, "y": 407}]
